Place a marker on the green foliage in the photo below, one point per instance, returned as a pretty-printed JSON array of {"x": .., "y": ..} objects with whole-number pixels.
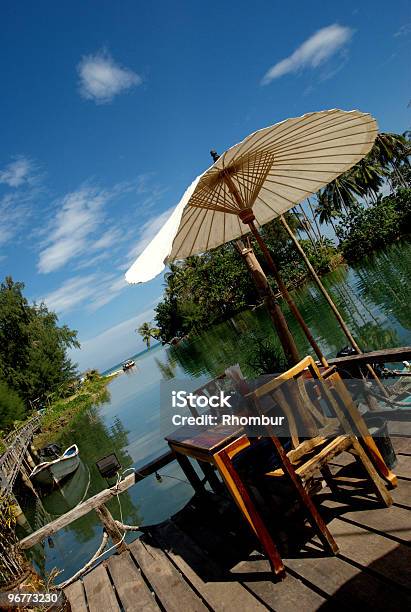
[
  {"x": 206, "y": 290},
  {"x": 202, "y": 291},
  {"x": 148, "y": 332},
  {"x": 33, "y": 346},
  {"x": 263, "y": 355},
  {"x": 11, "y": 406},
  {"x": 368, "y": 229},
  {"x": 62, "y": 411}
]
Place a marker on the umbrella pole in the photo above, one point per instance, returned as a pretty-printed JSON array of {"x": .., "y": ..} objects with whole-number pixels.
[
  {"x": 330, "y": 301},
  {"x": 247, "y": 216},
  {"x": 271, "y": 303},
  {"x": 284, "y": 290}
]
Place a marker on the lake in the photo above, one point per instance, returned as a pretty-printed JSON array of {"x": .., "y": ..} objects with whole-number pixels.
[{"x": 374, "y": 298}]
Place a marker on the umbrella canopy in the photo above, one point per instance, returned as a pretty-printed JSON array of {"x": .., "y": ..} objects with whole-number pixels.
[{"x": 267, "y": 173}]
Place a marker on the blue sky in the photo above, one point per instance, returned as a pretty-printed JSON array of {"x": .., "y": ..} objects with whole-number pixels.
[{"x": 109, "y": 110}]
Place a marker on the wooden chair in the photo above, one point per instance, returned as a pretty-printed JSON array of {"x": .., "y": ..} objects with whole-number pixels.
[{"x": 322, "y": 419}]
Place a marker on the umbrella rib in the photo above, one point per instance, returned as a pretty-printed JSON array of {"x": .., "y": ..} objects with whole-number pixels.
[
  {"x": 283, "y": 197},
  {"x": 333, "y": 147},
  {"x": 279, "y": 167},
  {"x": 299, "y": 176},
  {"x": 287, "y": 185},
  {"x": 270, "y": 179},
  {"x": 312, "y": 160},
  {"x": 330, "y": 124},
  {"x": 240, "y": 187},
  {"x": 189, "y": 212},
  {"x": 197, "y": 213},
  {"x": 286, "y": 130},
  {"x": 266, "y": 204},
  {"x": 273, "y": 209},
  {"x": 291, "y": 129},
  {"x": 298, "y": 146},
  {"x": 241, "y": 226},
  {"x": 209, "y": 231},
  {"x": 334, "y": 137},
  {"x": 204, "y": 211}
]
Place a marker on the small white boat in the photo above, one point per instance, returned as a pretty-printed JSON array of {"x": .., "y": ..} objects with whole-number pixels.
[
  {"x": 52, "y": 472},
  {"x": 128, "y": 364}
]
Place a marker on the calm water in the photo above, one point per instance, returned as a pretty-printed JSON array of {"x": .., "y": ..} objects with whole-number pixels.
[{"x": 374, "y": 299}]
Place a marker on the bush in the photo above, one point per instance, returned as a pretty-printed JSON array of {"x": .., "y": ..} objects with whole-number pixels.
[
  {"x": 369, "y": 229},
  {"x": 262, "y": 356},
  {"x": 11, "y": 406}
]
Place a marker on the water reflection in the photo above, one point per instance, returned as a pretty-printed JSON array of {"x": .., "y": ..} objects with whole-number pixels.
[{"x": 373, "y": 298}]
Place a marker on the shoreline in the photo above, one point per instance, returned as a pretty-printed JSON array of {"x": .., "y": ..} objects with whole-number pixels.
[{"x": 62, "y": 412}]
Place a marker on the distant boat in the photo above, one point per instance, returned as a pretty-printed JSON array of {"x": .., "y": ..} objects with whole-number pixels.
[
  {"x": 52, "y": 472},
  {"x": 128, "y": 364}
]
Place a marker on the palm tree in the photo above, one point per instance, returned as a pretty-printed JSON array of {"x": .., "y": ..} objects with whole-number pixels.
[
  {"x": 340, "y": 193},
  {"x": 324, "y": 210},
  {"x": 147, "y": 332},
  {"x": 391, "y": 152},
  {"x": 368, "y": 176}
]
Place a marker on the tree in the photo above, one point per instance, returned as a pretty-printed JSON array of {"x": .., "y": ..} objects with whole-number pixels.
[
  {"x": 11, "y": 406},
  {"x": 208, "y": 289},
  {"x": 147, "y": 332},
  {"x": 375, "y": 227},
  {"x": 324, "y": 210},
  {"x": 391, "y": 152},
  {"x": 368, "y": 176},
  {"x": 340, "y": 194},
  {"x": 33, "y": 360}
]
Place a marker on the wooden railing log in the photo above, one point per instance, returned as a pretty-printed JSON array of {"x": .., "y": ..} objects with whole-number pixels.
[{"x": 96, "y": 501}]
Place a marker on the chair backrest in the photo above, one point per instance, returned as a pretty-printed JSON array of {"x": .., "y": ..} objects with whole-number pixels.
[
  {"x": 232, "y": 382},
  {"x": 314, "y": 407}
]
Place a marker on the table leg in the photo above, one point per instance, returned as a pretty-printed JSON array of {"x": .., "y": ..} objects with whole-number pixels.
[
  {"x": 244, "y": 502},
  {"x": 208, "y": 471},
  {"x": 190, "y": 473}
]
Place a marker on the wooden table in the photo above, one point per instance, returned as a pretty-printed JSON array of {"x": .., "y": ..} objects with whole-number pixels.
[{"x": 217, "y": 446}]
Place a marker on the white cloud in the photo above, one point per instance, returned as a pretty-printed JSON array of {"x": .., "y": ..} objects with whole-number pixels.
[
  {"x": 108, "y": 239},
  {"x": 101, "y": 78},
  {"x": 15, "y": 211},
  {"x": 21, "y": 182},
  {"x": 73, "y": 292},
  {"x": 82, "y": 228},
  {"x": 404, "y": 30},
  {"x": 90, "y": 292},
  {"x": 79, "y": 215},
  {"x": 17, "y": 172},
  {"x": 312, "y": 53},
  {"x": 110, "y": 288}
]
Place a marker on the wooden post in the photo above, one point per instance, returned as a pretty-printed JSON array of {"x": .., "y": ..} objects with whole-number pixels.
[
  {"x": 272, "y": 305},
  {"x": 247, "y": 216},
  {"x": 282, "y": 325},
  {"x": 331, "y": 303},
  {"x": 110, "y": 526}
]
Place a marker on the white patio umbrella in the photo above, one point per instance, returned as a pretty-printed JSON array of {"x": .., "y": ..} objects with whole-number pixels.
[
  {"x": 260, "y": 178},
  {"x": 254, "y": 182}
]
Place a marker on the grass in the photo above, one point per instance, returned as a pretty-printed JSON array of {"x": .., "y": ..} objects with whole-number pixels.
[{"x": 61, "y": 412}]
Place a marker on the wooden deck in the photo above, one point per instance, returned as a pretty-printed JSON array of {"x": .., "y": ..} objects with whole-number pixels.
[{"x": 204, "y": 558}]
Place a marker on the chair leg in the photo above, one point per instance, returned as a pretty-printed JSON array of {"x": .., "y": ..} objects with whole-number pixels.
[
  {"x": 378, "y": 485},
  {"x": 314, "y": 516},
  {"x": 328, "y": 477}
]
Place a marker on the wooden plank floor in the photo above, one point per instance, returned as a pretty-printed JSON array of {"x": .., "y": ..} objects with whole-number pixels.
[{"x": 204, "y": 558}]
